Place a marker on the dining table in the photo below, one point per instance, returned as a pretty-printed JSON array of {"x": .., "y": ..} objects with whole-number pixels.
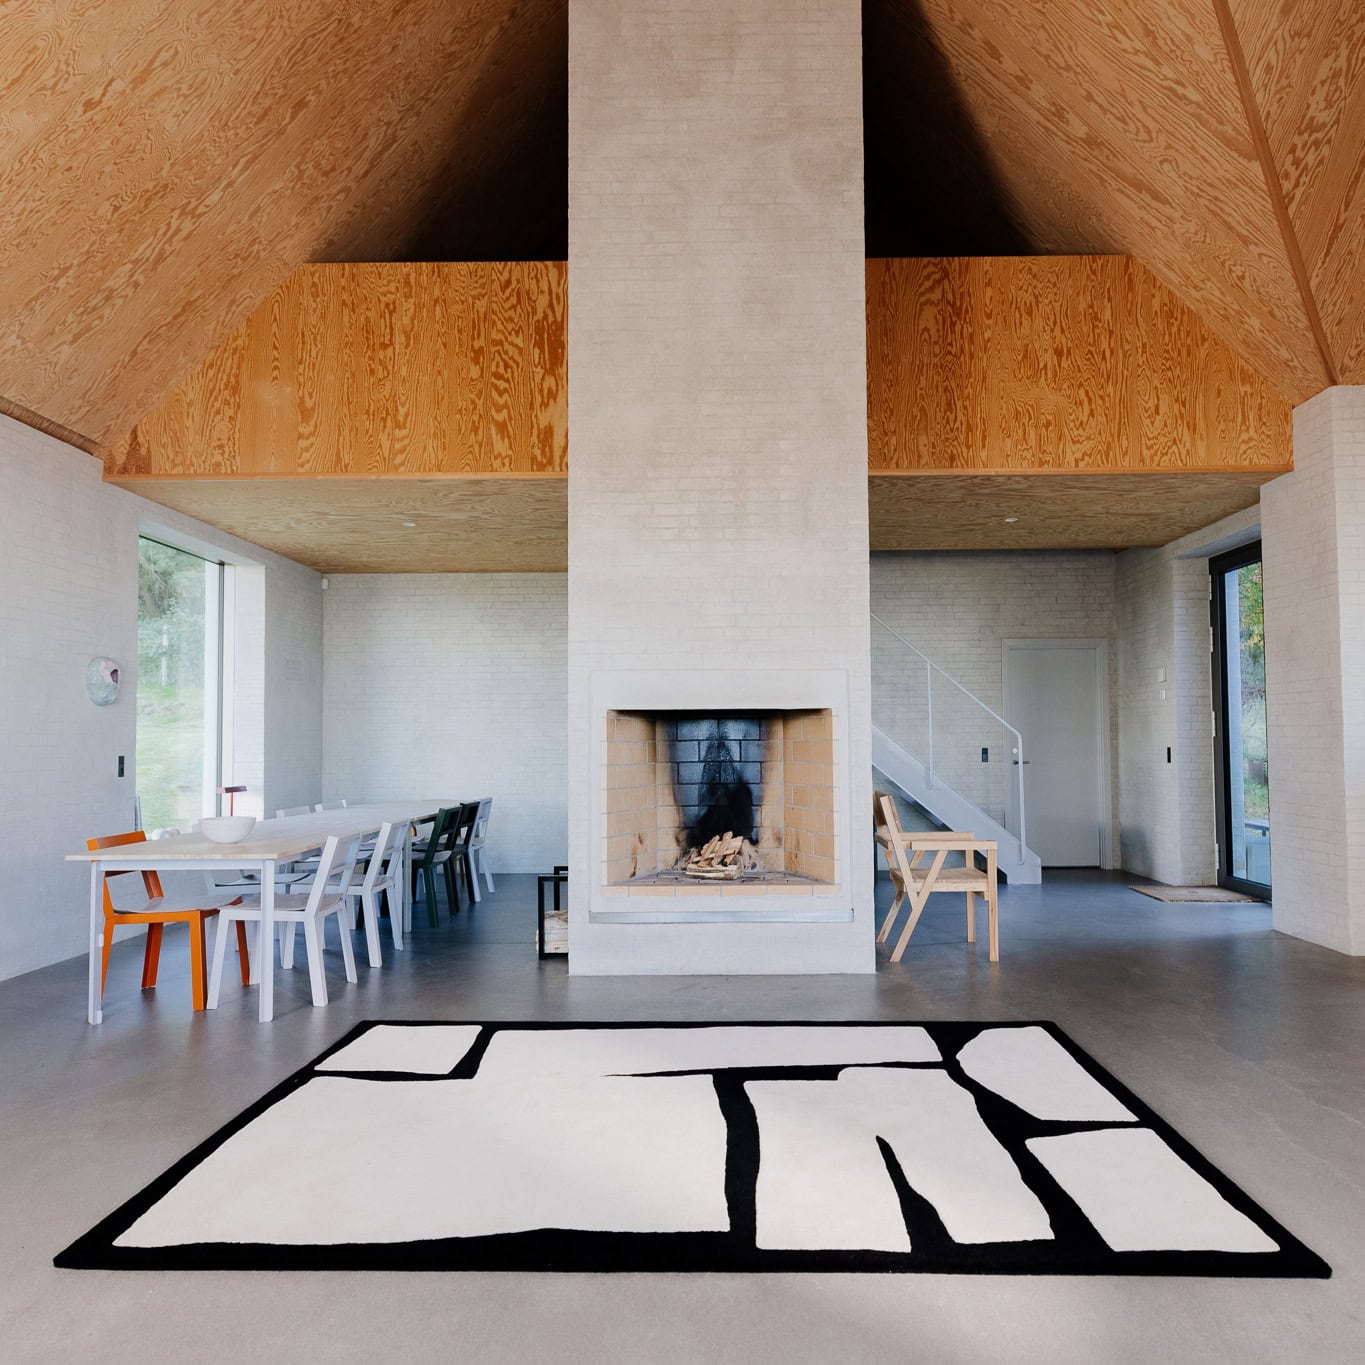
[{"x": 270, "y": 844}]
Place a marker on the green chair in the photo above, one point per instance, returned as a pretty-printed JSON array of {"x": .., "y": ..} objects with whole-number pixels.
[{"x": 433, "y": 854}]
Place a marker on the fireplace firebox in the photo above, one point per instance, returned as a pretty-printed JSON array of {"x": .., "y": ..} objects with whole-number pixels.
[{"x": 680, "y": 784}]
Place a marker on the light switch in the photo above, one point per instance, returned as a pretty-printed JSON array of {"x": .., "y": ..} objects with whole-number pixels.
[{"x": 1161, "y": 675}]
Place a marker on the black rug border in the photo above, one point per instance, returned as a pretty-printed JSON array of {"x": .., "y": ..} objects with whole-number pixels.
[{"x": 577, "y": 1252}]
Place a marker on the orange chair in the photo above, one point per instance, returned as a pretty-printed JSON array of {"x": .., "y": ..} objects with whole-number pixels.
[{"x": 156, "y": 912}]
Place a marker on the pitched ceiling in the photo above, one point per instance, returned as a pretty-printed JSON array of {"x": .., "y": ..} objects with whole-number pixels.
[
  {"x": 1222, "y": 142},
  {"x": 165, "y": 163}
]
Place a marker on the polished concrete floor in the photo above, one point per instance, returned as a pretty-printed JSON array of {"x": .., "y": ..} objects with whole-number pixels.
[{"x": 1251, "y": 1043}]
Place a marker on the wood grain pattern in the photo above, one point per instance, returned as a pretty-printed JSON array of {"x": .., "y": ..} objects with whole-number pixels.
[
  {"x": 1055, "y": 363},
  {"x": 1056, "y": 511},
  {"x": 1119, "y": 127},
  {"x": 355, "y": 525},
  {"x": 375, "y": 369},
  {"x": 164, "y": 166},
  {"x": 1306, "y": 60}
]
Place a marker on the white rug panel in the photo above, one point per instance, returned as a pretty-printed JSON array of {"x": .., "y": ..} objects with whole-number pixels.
[
  {"x": 345, "y": 1160},
  {"x": 1142, "y": 1197},
  {"x": 822, "y": 1181},
  {"x": 425, "y": 1051},
  {"x": 529, "y": 1054},
  {"x": 1030, "y": 1068}
]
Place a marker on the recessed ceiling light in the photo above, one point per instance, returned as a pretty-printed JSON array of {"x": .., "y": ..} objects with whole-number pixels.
[
  {"x": 1011, "y": 519},
  {"x": 409, "y": 524}
]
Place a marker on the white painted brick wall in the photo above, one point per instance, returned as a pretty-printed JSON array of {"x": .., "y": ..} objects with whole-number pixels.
[
  {"x": 1166, "y": 810},
  {"x": 717, "y": 389},
  {"x": 1313, "y": 537},
  {"x": 452, "y": 686},
  {"x": 960, "y": 608},
  {"x": 68, "y": 565}
]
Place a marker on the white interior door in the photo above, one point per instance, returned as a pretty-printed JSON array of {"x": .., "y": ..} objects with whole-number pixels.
[{"x": 1055, "y": 697}]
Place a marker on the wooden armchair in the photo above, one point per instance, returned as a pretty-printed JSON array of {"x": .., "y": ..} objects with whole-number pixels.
[{"x": 915, "y": 883}]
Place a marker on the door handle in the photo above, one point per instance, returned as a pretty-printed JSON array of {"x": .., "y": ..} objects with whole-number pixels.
[{"x": 1026, "y": 761}]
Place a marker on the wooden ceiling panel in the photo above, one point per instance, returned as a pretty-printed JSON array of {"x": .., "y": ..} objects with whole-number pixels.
[
  {"x": 1039, "y": 363},
  {"x": 1135, "y": 110},
  {"x": 356, "y": 525},
  {"x": 164, "y": 165},
  {"x": 386, "y": 368},
  {"x": 1306, "y": 62},
  {"x": 479, "y": 525},
  {"x": 1053, "y": 511}
]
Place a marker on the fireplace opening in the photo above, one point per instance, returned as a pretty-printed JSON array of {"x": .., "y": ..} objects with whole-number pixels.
[{"x": 719, "y": 801}]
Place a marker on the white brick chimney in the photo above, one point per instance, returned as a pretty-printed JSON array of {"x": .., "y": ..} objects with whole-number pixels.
[{"x": 717, "y": 410}]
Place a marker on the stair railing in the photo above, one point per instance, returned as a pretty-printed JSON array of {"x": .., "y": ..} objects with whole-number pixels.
[{"x": 931, "y": 668}]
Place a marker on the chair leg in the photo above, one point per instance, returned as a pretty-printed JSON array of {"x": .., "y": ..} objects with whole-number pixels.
[
  {"x": 429, "y": 883},
  {"x": 312, "y": 944},
  {"x": 452, "y": 891},
  {"x": 219, "y": 953},
  {"x": 909, "y": 927},
  {"x": 198, "y": 981},
  {"x": 151, "y": 958},
  {"x": 971, "y": 916},
  {"x": 343, "y": 920},
  {"x": 287, "y": 946},
  {"x": 885, "y": 932},
  {"x": 993, "y": 921},
  {"x": 470, "y": 880},
  {"x": 483, "y": 867},
  {"x": 243, "y": 953},
  {"x": 371, "y": 927},
  {"x": 104, "y": 951}
]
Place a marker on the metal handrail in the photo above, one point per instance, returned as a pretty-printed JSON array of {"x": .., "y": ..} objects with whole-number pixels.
[{"x": 930, "y": 668}]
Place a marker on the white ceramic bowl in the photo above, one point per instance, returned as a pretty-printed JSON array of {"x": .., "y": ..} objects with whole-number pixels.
[{"x": 227, "y": 829}]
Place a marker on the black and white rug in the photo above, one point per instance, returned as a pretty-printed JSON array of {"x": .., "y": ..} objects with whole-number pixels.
[{"x": 948, "y": 1147}]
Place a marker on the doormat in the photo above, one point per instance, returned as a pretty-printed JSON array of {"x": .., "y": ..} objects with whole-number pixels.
[
  {"x": 941, "y": 1147},
  {"x": 1200, "y": 894}
]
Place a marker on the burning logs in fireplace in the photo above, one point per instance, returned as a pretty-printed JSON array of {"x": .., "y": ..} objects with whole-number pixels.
[{"x": 723, "y": 858}]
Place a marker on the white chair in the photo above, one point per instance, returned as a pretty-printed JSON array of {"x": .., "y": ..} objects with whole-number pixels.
[
  {"x": 383, "y": 873},
  {"x": 329, "y": 805},
  {"x": 478, "y": 854},
  {"x": 327, "y": 897},
  {"x": 293, "y": 810}
]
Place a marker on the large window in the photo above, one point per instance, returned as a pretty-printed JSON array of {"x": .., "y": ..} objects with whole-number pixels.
[
  {"x": 179, "y": 685},
  {"x": 1244, "y": 766}
]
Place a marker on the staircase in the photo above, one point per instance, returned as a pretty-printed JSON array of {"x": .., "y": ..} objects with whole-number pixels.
[{"x": 941, "y": 746}]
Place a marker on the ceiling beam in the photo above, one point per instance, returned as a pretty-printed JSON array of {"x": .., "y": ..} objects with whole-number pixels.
[{"x": 1274, "y": 186}]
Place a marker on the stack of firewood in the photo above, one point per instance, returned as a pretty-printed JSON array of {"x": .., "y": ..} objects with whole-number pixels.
[{"x": 721, "y": 859}]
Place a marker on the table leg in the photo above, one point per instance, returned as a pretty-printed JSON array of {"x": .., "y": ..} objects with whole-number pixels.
[
  {"x": 93, "y": 1011},
  {"x": 265, "y": 952}
]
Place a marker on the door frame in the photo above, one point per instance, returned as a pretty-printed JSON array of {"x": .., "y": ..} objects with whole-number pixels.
[
  {"x": 1219, "y": 566},
  {"x": 1104, "y": 804}
]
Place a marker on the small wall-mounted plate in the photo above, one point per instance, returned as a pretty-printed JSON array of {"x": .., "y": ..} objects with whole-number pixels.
[{"x": 102, "y": 681}]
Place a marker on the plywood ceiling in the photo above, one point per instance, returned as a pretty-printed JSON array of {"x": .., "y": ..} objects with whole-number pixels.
[
  {"x": 478, "y": 525},
  {"x": 355, "y": 525},
  {"x": 1222, "y": 142},
  {"x": 164, "y": 164},
  {"x": 1051, "y": 511}
]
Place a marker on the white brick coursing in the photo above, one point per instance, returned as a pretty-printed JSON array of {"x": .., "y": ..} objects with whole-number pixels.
[
  {"x": 453, "y": 686},
  {"x": 1313, "y": 538},
  {"x": 717, "y": 380},
  {"x": 68, "y": 563},
  {"x": 959, "y": 608}
]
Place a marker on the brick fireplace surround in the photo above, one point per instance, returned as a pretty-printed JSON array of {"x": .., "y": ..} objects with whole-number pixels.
[{"x": 718, "y": 481}]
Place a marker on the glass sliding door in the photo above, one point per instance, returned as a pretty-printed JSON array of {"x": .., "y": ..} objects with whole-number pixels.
[
  {"x": 179, "y": 685},
  {"x": 1243, "y": 767}
]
